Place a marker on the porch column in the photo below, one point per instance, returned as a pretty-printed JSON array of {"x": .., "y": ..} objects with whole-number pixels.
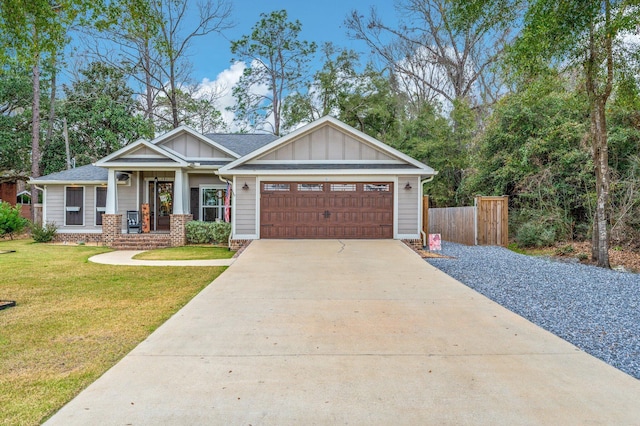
[
  {"x": 178, "y": 190},
  {"x": 112, "y": 193}
]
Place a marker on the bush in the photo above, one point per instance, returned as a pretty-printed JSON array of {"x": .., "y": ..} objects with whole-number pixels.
[
  {"x": 535, "y": 234},
  {"x": 221, "y": 232},
  {"x": 199, "y": 232},
  {"x": 11, "y": 222},
  {"x": 44, "y": 234}
]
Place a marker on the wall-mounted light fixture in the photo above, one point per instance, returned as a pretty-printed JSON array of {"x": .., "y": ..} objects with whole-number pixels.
[
  {"x": 245, "y": 186},
  {"x": 407, "y": 186}
]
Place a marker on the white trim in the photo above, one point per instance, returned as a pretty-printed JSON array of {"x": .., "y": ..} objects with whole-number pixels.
[
  {"x": 395, "y": 208},
  {"x": 68, "y": 182},
  {"x": 325, "y": 172},
  {"x": 163, "y": 153},
  {"x": 258, "y": 205},
  {"x": 44, "y": 204},
  {"x": 82, "y": 208},
  {"x": 217, "y": 187},
  {"x": 260, "y": 162}
]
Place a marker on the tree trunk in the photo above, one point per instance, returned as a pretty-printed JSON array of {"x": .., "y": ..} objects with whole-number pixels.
[
  {"x": 35, "y": 134},
  {"x": 601, "y": 163}
]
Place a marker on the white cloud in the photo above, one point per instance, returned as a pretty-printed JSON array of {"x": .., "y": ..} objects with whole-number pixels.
[{"x": 222, "y": 90}]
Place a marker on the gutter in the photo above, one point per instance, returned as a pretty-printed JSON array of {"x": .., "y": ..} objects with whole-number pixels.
[{"x": 424, "y": 235}]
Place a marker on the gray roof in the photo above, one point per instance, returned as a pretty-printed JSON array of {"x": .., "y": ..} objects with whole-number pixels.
[
  {"x": 242, "y": 143},
  {"x": 343, "y": 166},
  {"x": 88, "y": 173}
]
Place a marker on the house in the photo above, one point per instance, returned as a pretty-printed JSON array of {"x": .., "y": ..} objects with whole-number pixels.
[{"x": 324, "y": 180}]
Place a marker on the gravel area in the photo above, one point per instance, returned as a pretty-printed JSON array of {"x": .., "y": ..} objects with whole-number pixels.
[{"x": 595, "y": 309}]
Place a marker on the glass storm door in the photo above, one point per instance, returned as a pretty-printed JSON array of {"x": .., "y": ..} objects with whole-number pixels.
[{"x": 160, "y": 205}]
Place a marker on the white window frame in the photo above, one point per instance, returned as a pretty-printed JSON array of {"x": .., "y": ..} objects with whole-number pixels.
[
  {"x": 95, "y": 204},
  {"x": 219, "y": 207},
  {"x": 83, "y": 209}
]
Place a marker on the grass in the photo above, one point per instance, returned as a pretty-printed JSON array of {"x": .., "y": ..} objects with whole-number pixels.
[
  {"x": 186, "y": 253},
  {"x": 75, "y": 319}
]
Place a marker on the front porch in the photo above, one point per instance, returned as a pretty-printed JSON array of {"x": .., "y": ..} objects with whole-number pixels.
[{"x": 112, "y": 235}]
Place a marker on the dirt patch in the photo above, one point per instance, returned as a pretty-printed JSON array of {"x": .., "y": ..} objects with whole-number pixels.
[{"x": 625, "y": 258}]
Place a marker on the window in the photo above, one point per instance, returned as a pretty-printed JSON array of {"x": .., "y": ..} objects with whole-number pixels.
[
  {"x": 74, "y": 201},
  {"x": 277, "y": 187},
  {"x": 212, "y": 203},
  {"x": 343, "y": 187},
  {"x": 377, "y": 187},
  {"x": 101, "y": 203},
  {"x": 315, "y": 187}
]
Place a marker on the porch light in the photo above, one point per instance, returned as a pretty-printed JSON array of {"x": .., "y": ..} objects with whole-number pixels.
[
  {"x": 407, "y": 186},
  {"x": 245, "y": 186}
]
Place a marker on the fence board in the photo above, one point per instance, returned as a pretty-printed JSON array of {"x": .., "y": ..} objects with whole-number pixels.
[
  {"x": 455, "y": 224},
  {"x": 485, "y": 224}
]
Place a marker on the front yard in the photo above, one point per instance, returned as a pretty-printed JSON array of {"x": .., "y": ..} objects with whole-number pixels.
[{"x": 75, "y": 319}]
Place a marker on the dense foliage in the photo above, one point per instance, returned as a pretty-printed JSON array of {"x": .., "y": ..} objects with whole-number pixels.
[
  {"x": 199, "y": 232},
  {"x": 11, "y": 222}
]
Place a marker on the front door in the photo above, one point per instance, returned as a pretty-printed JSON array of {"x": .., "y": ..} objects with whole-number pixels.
[{"x": 160, "y": 204}]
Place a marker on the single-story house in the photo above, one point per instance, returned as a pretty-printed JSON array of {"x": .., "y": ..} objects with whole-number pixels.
[{"x": 324, "y": 180}]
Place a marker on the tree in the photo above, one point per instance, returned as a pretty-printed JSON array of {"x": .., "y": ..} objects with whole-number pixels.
[
  {"x": 431, "y": 59},
  {"x": 101, "y": 115},
  {"x": 583, "y": 34},
  {"x": 276, "y": 60},
  {"x": 15, "y": 119},
  {"x": 33, "y": 31},
  {"x": 153, "y": 39},
  {"x": 199, "y": 113}
]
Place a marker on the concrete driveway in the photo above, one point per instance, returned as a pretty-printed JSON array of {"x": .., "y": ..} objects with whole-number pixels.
[{"x": 350, "y": 332}]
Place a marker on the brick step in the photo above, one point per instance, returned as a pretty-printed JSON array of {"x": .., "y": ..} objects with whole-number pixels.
[{"x": 141, "y": 241}]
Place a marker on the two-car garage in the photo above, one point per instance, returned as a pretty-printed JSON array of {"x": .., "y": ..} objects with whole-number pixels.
[{"x": 326, "y": 210}]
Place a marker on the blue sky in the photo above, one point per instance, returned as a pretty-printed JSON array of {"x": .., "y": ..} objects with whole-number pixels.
[{"x": 322, "y": 21}]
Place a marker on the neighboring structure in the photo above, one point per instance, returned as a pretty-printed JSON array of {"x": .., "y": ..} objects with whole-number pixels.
[{"x": 324, "y": 180}]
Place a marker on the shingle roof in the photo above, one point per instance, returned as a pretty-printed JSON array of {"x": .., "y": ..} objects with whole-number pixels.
[
  {"x": 88, "y": 173},
  {"x": 242, "y": 143}
]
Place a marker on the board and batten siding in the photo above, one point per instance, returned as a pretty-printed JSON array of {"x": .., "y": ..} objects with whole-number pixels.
[
  {"x": 408, "y": 206},
  {"x": 190, "y": 147},
  {"x": 324, "y": 144},
  {"x": 245, "y": 206}
]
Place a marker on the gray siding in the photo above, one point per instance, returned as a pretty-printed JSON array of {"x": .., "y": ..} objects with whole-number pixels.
[
  {"x": 326, "y": 143},
  {"x": 408, "y": 205},
  {"x": 190, "y": 147},
  {"x": 197, "y": 179},
  {"x": 245, "y": 213},
  {"x": 56, "y": 209}
]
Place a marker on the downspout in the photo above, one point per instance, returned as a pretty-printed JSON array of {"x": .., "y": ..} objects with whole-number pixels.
[
  {"x": 424, "y": 235},
  {"x": 230, "y": 184}
]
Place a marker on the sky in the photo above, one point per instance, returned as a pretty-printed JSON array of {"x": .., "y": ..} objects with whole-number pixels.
[{"x": 322, "y": 21}]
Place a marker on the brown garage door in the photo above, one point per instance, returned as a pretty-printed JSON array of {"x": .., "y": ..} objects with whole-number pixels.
[{"x": 326, "y": 210}]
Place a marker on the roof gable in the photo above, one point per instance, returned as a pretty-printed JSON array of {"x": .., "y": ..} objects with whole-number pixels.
[
  {"x": 327, "y": 141},
  {"x": 191, "y": 145},
  {"x": 140, "y": 152}
]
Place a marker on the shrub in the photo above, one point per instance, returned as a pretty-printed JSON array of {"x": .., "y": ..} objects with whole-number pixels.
[
  {"x": 44, "y": 234},
  {"x": 535, "y": 234},
  {"x": 221, "y": 232},
  {"x": 11, "y": 222},
  {"x": 198, "y": 232}
]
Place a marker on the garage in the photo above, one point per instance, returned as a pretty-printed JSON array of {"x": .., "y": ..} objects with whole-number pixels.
[{"x": 326, "y": 210}]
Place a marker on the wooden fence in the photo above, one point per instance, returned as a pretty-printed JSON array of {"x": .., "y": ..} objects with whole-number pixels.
[{"x": 485, "y": 223}]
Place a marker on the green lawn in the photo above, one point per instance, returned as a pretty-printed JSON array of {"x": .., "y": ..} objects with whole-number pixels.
[
  {"x": 75, "y": 319},
  {"x": 186, "y": 253}
]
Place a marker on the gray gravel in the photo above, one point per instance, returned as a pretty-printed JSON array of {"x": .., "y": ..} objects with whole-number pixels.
[{"x": 595, "y": 309}]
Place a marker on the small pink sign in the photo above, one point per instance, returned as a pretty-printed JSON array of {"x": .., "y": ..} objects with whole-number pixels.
[{"x": 434, "y": 242}]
